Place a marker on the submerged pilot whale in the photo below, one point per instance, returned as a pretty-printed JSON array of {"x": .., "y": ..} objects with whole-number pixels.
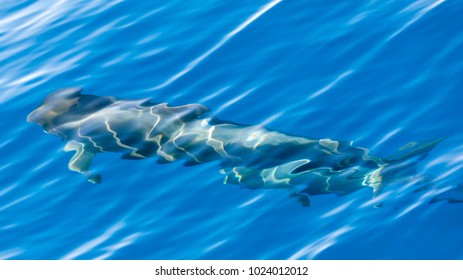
[{"x": 251, "y": 156}]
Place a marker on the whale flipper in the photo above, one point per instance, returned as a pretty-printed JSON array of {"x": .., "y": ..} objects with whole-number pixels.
[{"x": 82, "y": 160}]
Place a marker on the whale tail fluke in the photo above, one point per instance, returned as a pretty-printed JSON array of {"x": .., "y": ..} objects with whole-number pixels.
[
  {"x": 416, "y": 150},
  {"x": 401, "y": 167}
]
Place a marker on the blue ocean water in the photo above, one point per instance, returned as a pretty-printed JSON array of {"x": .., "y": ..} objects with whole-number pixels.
[{"x": 378, "y": 73}]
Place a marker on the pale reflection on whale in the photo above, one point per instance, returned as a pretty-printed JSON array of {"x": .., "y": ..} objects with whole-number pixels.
[{"x": 251, "y": 156}]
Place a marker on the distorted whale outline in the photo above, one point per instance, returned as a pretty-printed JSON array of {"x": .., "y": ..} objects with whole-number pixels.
[{"x": 251, "y": 156}]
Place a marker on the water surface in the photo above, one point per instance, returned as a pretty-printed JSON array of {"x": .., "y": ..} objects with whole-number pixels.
[{"x": 381, "y": 74}]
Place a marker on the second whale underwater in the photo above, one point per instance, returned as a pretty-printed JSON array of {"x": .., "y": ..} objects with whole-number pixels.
[{"x": 251, "y": 156}]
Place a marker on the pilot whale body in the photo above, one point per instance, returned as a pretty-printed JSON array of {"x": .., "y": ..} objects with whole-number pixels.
[{"x": 251, "y": 156}]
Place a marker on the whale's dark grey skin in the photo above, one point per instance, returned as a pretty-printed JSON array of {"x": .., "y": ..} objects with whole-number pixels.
[{"x": 251, "y": 156}]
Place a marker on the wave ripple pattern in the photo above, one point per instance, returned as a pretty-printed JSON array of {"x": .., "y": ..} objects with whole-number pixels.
[{"x": 377, "y": 74}]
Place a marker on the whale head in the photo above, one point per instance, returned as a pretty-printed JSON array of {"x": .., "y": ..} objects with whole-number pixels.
[{"x": 54, "y": 105}]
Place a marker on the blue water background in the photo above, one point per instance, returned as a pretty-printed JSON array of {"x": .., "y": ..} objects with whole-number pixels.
[{"x": 379, "y": 73}]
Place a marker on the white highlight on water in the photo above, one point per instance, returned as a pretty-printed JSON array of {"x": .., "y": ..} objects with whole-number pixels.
[
  {"x": 386, "y": 137},
  {"x": 88, "y": 246},
  {"x": 251, "y": 201},
  {"x": 17, "y": 201},
  {"x": 214, "y": 94},
  {"x": 112, "y": 249},
  {"x": 337, "y": 210},
  {"x": 214, "y": 48},
  {"x": 422, "y": 200},
  {"x": 234, "y": 100},
  {"x": 215, "y": 245},
  {"x": 330, "y": 85},
  {"x": 314, "y": 248},
  {"x": 417, "y": 16},
  {"x": 8, "y": 254}
]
